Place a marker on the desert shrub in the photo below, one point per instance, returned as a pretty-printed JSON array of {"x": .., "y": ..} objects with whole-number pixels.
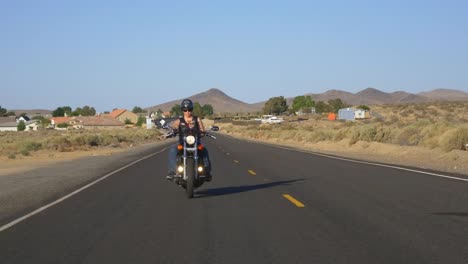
[
  {"x": 265, "y": 127},
  {"x": 79, "y": 140},
  {"x": 287, "y": 127},
  {"x": 393, "y": 119},
  {"x": 107, "y": 140},
  {"x": 93, "y": 140},
  {"x": 24, "y": 152},
  {"x": 354, "y": 137},
  {"x": 383, "y": 134},
  {"x": 455, "y": 139},
  {"x": 12, "y": 156},
  {"x": 409, "y": 136},
  {"x": 121, "y": 138},
  {"x": 367, "y": 133},
  {"x": 318, "y": 135},
  {"x": 340, "y": 134},
  {"x": 61, "y": 144},
  {"x": 32, "y": 146}
]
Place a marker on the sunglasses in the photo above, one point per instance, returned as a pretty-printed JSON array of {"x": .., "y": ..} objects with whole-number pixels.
[{"x": 187, "y": 110}]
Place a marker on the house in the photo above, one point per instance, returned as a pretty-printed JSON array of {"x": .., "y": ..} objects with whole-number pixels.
[
  {"x": 92, "y": 122},
  {"x": 8, "y": 123},
  {"x": 346, "y": 114},
  {"x": 23, "y": 118},
  {"x": 54, "y": 121},
  {"x": 361, "y": 114},
  {"x": 122, "y": 115},
  {"x": 86, "y": 122},
  {"x": 11, "y": 124}
]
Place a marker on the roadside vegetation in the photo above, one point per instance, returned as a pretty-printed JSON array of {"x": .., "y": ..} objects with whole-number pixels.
[
  {"x": 25, "y": 143},
  {"x": 431, "y": 125}
]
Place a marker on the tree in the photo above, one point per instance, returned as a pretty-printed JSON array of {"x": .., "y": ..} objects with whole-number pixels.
[
  {"x": 77, "y": 111},
  {"x": 58, "y": 112},
  {"x": 62, "y": 110},
  {"x": 197, "y": 110},
  {"x": 67, "y": 110},
  {"x": 176, "y": 111},
  {"x": 208, "y": 110},
  {"x": 44, "y": 122},
  {"x": 275, "y": 105},
  {"x": 364, "y": 107},
  {"x": 3, "y": 111},
  {"x": 137, "y": 110},
  {"x": 21, "y": 126},
  {"x": 88, "y": 111},
  {"x": 141, "y": 120},
  {"x": 128, "y": 121},
  {"x": 336, "y": 104},
  {"x": 302, "y": 102},
  {"x": 322, "y": 107}
]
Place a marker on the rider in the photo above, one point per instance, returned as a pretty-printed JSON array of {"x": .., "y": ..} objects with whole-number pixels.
[{"x": 192, "y": 121}]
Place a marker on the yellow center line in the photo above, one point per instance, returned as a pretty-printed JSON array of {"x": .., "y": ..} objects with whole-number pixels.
[
  {"x": 236, "y": 161},
  {"x": 294, "y": 201},
  {"x": 252, "y": 172}
]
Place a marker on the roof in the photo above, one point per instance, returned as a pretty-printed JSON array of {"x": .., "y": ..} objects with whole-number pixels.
[
  {"x": 15, "y": 124},
  {"x": 7, "y": 119},
  {"x": 117, "y": 112},
  {"x": 97, "y": 121},
  {"x": 60, "y": 119}
]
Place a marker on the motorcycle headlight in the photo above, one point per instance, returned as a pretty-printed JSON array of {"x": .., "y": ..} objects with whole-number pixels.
[{"x": 190, "y": 140}]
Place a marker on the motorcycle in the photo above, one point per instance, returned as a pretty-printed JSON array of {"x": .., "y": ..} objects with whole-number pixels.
[{"x": 190, "y": 172}]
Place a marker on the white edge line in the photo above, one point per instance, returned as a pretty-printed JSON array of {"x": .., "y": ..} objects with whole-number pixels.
[
  {"x": 356, "y": 161},
  {"x": 14, "y": 222}
]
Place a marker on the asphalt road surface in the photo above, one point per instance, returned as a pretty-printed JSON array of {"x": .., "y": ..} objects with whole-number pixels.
[{"x": 265, "y": 205}]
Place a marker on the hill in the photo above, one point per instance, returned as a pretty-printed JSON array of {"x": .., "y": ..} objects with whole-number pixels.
[
  {"x": 445, "y": 95},
  {"x": 221, "y": 102}
]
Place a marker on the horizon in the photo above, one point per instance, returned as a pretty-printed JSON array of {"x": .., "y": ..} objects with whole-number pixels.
[
  {"x": 145, "y": 107},
  {"x": 119, "y": 55}
]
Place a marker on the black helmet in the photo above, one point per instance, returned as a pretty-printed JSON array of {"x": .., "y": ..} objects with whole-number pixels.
[{"x": 186, "y": 105}]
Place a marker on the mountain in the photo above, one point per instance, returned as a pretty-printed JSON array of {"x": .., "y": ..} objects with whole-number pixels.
[
  {"x": 445, "y": 95},
  {"x": 221, "y": 102}
]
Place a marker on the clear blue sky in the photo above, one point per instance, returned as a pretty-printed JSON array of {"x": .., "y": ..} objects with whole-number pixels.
[{"x": 110, "y": 54}]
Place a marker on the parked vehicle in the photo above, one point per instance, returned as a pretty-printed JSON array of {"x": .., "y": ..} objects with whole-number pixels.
[
  {"x": 270, "y": 119},
  {"x": 214, "y": 128}
]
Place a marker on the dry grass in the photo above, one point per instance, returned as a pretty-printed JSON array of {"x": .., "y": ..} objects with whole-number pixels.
[
  {"x": 26, "y": 143},
  {"x": 436, "y": 125}
]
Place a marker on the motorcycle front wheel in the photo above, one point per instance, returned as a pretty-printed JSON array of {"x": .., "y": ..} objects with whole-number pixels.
[{"x": 190, "y": 170}]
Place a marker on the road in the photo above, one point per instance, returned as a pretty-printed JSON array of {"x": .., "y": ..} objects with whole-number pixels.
[{"x": 338, "y": 212}]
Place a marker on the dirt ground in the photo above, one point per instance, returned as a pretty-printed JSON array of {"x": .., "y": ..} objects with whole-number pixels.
[{"x": 45, "y": 158}]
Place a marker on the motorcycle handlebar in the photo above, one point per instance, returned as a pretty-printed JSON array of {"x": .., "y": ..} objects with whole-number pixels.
[{"x": 173, "y": 133}]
